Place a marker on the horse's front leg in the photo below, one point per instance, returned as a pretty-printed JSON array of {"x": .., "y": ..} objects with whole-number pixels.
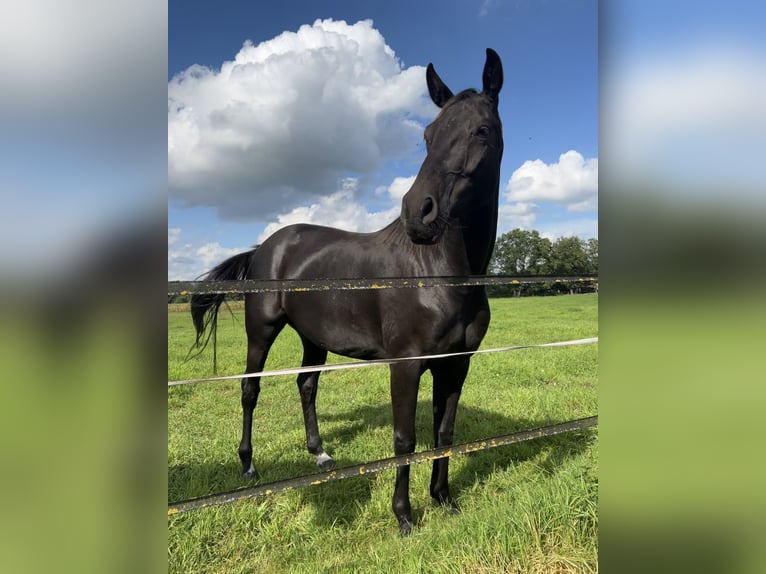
[
  {"x": 448, "y": 383},
  {"x": 405, "y": 379}
]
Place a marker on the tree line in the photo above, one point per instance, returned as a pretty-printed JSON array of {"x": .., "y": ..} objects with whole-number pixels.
[{"x": 525, "y": 253}]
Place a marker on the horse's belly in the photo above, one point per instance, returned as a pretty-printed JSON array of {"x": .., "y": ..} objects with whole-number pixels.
[
  {"x": 371, "y": 325},
  {"x": 342, "y": 322}
]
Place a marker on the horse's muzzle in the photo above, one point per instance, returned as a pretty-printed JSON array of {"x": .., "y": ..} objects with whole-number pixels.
[
  {"x": 421, "y": 234},
  {"x": 421, "y": 220}
]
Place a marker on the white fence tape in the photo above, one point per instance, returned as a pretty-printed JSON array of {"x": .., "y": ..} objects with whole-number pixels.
[{"x": 376, "y": 362}]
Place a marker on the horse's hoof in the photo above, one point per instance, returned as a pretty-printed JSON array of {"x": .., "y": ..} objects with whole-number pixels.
[
  {"x": 325, "y": 462},
  {"x": 250, "y": 474},
  {"x": 405, "y": 527}
]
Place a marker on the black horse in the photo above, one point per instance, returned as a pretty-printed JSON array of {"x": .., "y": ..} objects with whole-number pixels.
[{"x": 447, "y": 227}]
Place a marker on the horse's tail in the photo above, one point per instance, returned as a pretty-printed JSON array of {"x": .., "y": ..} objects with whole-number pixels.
[{"x": 204, "y": 307}]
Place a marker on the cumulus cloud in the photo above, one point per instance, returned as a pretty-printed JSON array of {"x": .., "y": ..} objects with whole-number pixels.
[
  {"x": 285, "y": 119},
  {"x": 572, "y": 182},
  {"x": 189, "y": 260},
  {"x": 586, "y": 228},
  {"x": 342, "y": 210},
  {"x": 397, "y": 189},
  {"x": 516, "y": 215}
]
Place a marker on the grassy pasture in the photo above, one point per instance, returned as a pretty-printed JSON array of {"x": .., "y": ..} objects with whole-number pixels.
[{"x": 525, "y": 508}]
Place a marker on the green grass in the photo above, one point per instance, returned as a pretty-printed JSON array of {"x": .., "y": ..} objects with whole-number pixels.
[{"x": 529, "y": 507}]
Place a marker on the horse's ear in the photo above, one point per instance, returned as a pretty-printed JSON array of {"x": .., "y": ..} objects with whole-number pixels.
[
  {"x": 438, "y": 90},
  {"x": 493, "y": 74}
]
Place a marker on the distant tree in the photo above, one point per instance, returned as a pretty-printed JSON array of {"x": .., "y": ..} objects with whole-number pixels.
[
  {"x": 524, "y": 253},
  {"x": 520, "y": 252},
  {"x": 569, "y": 257},
  {"x": 591, "y": 250}
]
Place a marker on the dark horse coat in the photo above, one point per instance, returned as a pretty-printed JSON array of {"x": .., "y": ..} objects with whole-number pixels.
[{"x": 447, "y": 227}]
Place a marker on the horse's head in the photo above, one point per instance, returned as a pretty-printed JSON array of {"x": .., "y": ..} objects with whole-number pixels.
[{"x": 461, "y": 172}]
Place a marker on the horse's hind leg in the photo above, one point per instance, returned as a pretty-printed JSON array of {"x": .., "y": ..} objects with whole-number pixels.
[
  {"x": 307, "y": 386},
  {"x": 259, "y": 340}
]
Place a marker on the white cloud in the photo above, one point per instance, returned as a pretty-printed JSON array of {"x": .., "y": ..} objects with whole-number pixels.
[
  {"x": 189, "y": 260},
  {"x": 582, "y": 228},
  {"x": 521, "y": 215},
  {"x": 285, "y": 119},
  {"x": 342, "y": 210},
  {"x": 485, "y": 6},
  {"x": 398, "y": 188},
  {"x": 572, "y": 182}
]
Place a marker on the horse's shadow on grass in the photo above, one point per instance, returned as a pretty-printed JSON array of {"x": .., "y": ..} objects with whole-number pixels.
[{"x": 340, "y": 503}]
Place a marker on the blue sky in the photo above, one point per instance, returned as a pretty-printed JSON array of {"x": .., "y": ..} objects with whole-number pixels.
[{"x": 234, "y": 139}]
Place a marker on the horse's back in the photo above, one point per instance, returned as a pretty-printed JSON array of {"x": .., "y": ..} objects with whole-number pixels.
[{"x": 305, "y": 251}]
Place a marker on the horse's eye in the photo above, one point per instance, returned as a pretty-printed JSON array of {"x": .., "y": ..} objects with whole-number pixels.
[{"x": 482, "y": 131}]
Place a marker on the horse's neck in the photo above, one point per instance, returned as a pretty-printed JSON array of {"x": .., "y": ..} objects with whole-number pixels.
[
  {"x": 478, "y": 240},
  {"x": 478, "y": 230}
]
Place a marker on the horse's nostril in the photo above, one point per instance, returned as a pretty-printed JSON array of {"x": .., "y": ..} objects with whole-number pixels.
[
  {"x": 428, "y": 206},
  {"x": 429, "y": 211}
]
